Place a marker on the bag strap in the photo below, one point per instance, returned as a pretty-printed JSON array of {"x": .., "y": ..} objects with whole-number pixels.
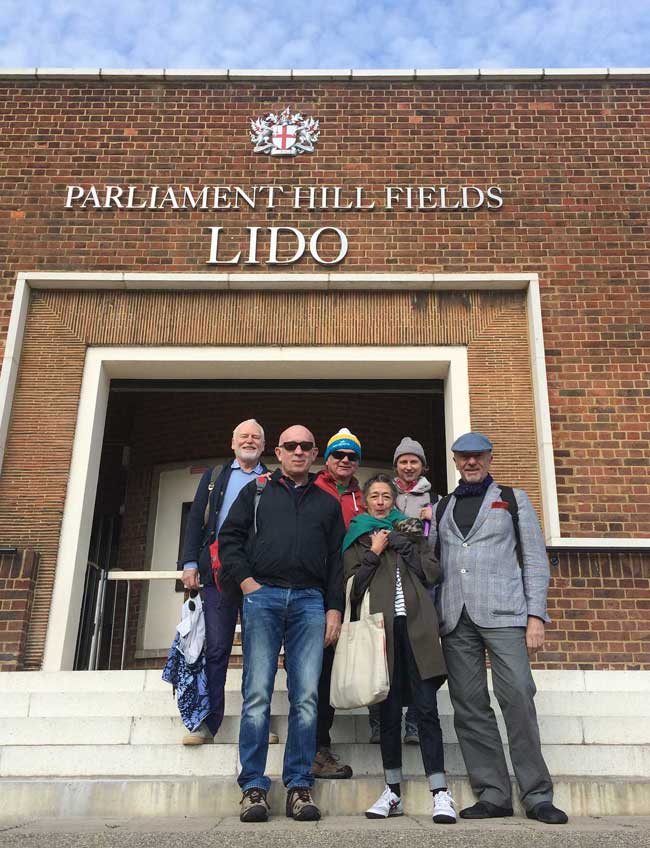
[
  {"x": 508, "y": 495},
  {"x": 441, "y": 506},
  {"x": 364, "y": 611},
  {"x": 260, "y": 485},
  {"x": 213, "y": 479}
]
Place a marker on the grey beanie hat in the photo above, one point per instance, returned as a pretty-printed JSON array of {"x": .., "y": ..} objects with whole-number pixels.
[{"x": 409, "y": 445}]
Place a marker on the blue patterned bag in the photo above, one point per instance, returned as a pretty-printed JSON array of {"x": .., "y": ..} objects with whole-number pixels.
[{"x": 190, "y": 686}]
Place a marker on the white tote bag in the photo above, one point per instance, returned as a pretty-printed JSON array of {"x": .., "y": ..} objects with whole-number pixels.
[{"x": 360, "y": 669}]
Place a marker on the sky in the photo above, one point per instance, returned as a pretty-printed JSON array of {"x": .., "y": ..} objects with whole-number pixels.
[{"x": 324, "y": 34}]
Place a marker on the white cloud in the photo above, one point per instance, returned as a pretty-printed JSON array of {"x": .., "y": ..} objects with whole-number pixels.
[{"x": 325, "y": 33}]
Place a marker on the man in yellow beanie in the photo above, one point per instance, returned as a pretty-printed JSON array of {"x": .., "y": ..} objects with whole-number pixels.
[{"x": 342, "y": 457}]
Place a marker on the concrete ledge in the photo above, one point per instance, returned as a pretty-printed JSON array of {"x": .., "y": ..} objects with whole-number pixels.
[
  {"x": 135, "y": 74},
  {"x": 183, "y": 74},
  {"x": 67, "y": 73},
  {"x": 575, "y": 73},
  {"x": 161, "y": 703},
  {"x": 520, "y": 74},
  {"x": 261, "y": 75},
  {"x": 300, "y": 74},
  {"x": 347, "y": 729},
  {"x": 381, "y": 74},
  {"x": 73, "y": 681},
  {"x": 621, "y": 761},
  {"x": 443, "y": 74},
  {"x": 317, "y": 74},
  {"x": 210, "y": 796}
]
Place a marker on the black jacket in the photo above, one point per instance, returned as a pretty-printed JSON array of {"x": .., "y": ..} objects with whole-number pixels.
[
  {"x": 198, "y": 537},
  {"x": 297, "y": 543}
]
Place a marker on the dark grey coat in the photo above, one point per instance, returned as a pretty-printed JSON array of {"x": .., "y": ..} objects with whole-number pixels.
[{"x": 417, "y": 567}]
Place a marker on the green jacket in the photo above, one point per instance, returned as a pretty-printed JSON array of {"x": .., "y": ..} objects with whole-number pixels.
[{"x": 379, "y": 575}]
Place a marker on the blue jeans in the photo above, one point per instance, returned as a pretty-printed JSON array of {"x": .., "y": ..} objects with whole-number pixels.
[
  {"x": 220, "y": 619},
  {"x": 272, "y": 616}
]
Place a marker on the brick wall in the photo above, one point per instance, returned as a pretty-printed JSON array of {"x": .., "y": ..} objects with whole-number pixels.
[
  {"x": 600, "y": 610},
  {"x": 571, "y": 158},
  {"x": 18, "y": 574}
]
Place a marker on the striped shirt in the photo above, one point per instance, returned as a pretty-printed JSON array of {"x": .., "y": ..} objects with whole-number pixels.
[{"x": 400, "y": 605}]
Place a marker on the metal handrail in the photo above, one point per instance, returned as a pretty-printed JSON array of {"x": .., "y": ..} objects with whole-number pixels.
[{"x": 128, "y": 577}]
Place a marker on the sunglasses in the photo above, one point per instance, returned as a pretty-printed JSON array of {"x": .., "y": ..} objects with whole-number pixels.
[
  {"x": 345, "y": 455},
  {"x": 291, "y": 446}
]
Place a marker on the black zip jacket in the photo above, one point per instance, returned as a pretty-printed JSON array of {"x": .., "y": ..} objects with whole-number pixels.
[{"x": 297, "y": 543}]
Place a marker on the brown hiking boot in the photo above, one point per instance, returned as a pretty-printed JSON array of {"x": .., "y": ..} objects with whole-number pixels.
[
  {"x": 326, "y": 765},
  {"x": 253, "y": 806},
  {"x": 300, "y": 805}
]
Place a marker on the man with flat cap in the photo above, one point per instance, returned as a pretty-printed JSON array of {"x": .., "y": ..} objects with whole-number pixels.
[{"x": 493, "y": 597}]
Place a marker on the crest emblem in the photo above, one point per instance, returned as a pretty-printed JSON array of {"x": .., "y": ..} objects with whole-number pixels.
[{"x": 284, "y": 134}]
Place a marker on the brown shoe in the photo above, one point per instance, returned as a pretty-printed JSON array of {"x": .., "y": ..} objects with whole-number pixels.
[
  {"x": 326, "y": 765},
  {"x": 253, "y": 806},
  {"x": 200, "y": 736},
  {"x": 300, "y": 805}
]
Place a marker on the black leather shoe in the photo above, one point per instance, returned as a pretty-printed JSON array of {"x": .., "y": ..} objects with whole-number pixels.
[
  {"x": 485, "y": 810},
  {"x": 547, "y": 813}
]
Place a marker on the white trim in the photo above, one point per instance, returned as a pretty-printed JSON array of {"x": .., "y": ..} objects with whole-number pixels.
[
  {"x": 101, "y": 364},
  {"x": 298, "y": 74},
  {"x": 120, "y": 575},
  {"x": 11, "y": 358},
  {"x": 596, "y": 543},
  {"x": 76, "y": 525},
  {"x": 542, "y": 412}
]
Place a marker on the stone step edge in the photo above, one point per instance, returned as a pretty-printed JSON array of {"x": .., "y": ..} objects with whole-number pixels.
[
  {"x": 161, "y": 796},
  {"x": 150, "y": 680}
]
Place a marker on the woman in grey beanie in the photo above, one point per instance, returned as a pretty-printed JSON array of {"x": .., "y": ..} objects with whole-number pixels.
[{"x": 410, "y": 463}]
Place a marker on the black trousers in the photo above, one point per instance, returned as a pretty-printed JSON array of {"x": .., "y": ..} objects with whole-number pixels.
[
  {"x": 325, "y": 712},
  {"x": 407, "y": 686}
]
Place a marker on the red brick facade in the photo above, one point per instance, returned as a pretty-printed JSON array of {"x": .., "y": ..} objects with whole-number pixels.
[
  {"x": 18, "y": 572},
  {"x": 572, "y": 162}
]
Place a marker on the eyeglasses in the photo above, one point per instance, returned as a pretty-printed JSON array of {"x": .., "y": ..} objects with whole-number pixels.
[
  {"x": 291, "y": 446},
  {"x": 345, "y": 455}
]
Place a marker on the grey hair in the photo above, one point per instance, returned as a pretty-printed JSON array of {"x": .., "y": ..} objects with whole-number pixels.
[
  {"x": 249, "y": 421},
  {"x": 380, "y": 478}
]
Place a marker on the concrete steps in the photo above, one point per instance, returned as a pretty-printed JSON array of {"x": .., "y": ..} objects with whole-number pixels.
[{"x": 99, "y": 740}]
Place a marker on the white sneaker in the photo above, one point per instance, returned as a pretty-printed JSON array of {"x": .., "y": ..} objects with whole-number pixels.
[
  {"x": 388, "y": 804},
  {"x": 200, "y": 736},
  {"x": 444, "y": 808}
]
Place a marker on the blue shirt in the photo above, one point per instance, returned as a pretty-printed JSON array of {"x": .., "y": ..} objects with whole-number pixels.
[{"x": 238, "y": 479}]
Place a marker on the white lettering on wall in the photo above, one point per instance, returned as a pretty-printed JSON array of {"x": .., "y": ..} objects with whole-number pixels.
[
  {"x": 280, "y": 240},
  {"x": 343, "y": 245},
  {"x": 284, "y": 244}
]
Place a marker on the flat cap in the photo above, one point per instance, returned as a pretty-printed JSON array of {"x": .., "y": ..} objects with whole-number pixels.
[{"x": 474, "y": 442}]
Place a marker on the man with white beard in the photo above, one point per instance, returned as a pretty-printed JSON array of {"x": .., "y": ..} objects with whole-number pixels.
[{"x": 219, "y": 488}]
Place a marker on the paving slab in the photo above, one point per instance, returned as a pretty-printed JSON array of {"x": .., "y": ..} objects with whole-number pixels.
[{"x": 331, "y": 832}]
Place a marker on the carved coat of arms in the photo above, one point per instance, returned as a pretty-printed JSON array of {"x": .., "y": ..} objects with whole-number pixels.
[{"x": 285, "y": 134}]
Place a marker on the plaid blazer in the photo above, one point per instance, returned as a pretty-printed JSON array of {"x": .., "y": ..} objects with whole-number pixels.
[{"x": 481, "y": 571}]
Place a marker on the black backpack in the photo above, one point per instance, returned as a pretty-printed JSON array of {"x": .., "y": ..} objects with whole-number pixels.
[{"x": 508, "y": 496}]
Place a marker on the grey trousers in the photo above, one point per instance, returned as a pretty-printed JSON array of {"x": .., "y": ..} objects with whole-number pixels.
[{"x": 474, "y": 719}]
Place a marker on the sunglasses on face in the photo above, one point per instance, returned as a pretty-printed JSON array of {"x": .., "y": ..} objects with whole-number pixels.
[
  {"x": 291, "y": 446},
  {"x": 345, "y": 455}
]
